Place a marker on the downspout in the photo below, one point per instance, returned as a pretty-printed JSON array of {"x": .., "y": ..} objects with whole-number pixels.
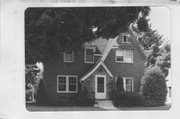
[{"x": 81, "y": 84}]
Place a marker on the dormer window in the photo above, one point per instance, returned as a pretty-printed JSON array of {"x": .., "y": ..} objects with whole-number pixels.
[
  {"x": 89, "y": 55},
  {"x": 69, "y": 56}
]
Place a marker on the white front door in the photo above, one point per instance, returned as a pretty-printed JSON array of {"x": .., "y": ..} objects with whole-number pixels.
[{"x": 100, "y": 86}]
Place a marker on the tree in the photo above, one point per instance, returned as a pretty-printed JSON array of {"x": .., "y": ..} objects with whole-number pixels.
[
  {"x": 49, "y": 31},
  {"x": 154, "y": 87},
  {"x": 31, "y": 73},
  {"x": 119, "y": 84},
  {"x": 151, "y": 42},
  {"x": 164, "y": 60}
]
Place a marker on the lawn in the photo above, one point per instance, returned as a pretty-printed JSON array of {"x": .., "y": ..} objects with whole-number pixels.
[
  {"x": 88, "y": 108},
  {"x": 166, "y": 107},
  {"x": 62, "y": 108}
]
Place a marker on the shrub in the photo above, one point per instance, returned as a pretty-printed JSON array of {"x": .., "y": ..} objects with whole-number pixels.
[
  {"x": 154, "y": 87},
  {"x": 41, "y": 94},
  {"x": 64, "y": 101},
  {"x": 83, "y": 99},
  {"x": 128, "y": 99},
  {"x": 119, "y": 84}
]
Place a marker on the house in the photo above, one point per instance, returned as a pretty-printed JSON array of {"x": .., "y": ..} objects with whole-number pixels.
[{"x": 94, "y": 68}]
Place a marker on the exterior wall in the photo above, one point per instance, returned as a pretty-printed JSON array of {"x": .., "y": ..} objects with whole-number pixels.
[
  {"x": 135, "y": 69},
  {"x": 56, "y": 66},
  {"x": 89, "y": 83}
]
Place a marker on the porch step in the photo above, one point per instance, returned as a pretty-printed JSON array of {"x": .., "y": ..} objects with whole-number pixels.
[{"x": 105, "y": 104}]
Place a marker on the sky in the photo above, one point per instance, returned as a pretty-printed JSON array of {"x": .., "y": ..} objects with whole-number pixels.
[{"x": 160, "y": 20}]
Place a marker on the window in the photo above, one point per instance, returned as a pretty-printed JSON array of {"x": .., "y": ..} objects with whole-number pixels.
[
  {"x": 124, "y": 56},
  {"x": 69, "y": 56},
  {"x": 66, "y": 84},
  {"x": 128, "y": 84},
  {"x": 89, "y": 55},
  {"x": 125, "y": 39}
]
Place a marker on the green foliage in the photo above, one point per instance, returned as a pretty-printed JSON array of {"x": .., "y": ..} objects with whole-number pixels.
[
  {"x": 154, "y": 87},
  {"x": 128, "y": 99},
  {"x": 49, "y": 31}
]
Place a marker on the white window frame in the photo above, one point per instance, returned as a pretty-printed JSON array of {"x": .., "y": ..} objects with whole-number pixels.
[
  {"x": 93, "y": 48},
  {"x": 124, "y": 83},
  {"x": 124, "y": 57},
  {"x": 72, "y": 57},
  {"x": 67, "y": 84}
]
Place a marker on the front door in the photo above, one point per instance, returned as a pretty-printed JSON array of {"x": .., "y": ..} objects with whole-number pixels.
[{"x": 100, "y": 86}]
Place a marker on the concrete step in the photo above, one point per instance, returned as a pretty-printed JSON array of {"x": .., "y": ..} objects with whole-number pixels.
[{"x": 105, "y": 104}]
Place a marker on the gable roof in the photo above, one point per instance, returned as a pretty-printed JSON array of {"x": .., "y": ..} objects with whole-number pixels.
[
  {"x": 106, "y": 51},
  {"x": 101, "y": 60},
  {"x": 95, "y": 68},
  {"x": 135, "y": 36}
]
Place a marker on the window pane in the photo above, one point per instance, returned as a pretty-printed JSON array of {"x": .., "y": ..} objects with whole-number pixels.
[
  {"x": 72, "y": 87},
  {"x": 89, "y": 55},
  {"x": 119, "y": 53},
  {"x": 120, "y": 58},
  {"x": 72, "y": 83},
  {"x": 89, "y": 51},
  {"x": 62, "y": 80},
  {"x": 125, "y": 39},
  {"x": 129, "y": 88},
  {"x": 62, "y": 87},
  {"x": 62, "y": 84},
  {"x": 72, "y": 80},
  {"x": 128, "y": 56},
  {"x": 100, "y": 84},
  {"x": 68, "y": 56},
  {"x": 89, "y": 58},
  {"x": 129, "y": 84}
]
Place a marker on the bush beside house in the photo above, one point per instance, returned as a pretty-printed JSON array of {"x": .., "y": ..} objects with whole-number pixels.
[
  {"x": 154, "y": 87},
  {"x": 128, "y": 99},
  {"x": 122, "y": 98}
]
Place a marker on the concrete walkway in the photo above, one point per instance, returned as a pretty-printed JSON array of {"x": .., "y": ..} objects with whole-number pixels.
[{"x": 105, "y": 104}]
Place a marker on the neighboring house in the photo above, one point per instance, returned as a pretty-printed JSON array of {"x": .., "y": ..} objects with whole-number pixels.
[
  {"x": 94, "y": 68},
  {"x": 168, "y": 83}
]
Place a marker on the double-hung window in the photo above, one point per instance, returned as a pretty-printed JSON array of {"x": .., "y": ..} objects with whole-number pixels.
[
  {"x": 128, "y": 84},
  {"x": 67, "y": 84},
  {"x": 69, "y": 56},
  {"x": 89, "y": 55},
  {"x": 124, "y": 56}
]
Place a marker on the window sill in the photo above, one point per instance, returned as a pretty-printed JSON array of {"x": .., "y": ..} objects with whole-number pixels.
[
  {"x": 68, "y": 61},
  {"x": 89, "y": 62},
  {"x": 124, "y": 62},
  {"x": 66, "y": 91}
]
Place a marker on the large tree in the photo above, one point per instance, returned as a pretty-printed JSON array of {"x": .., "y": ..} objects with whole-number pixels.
[
  {"x": 49, "y": 31},
  {"x": 156, "y": 48}
]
